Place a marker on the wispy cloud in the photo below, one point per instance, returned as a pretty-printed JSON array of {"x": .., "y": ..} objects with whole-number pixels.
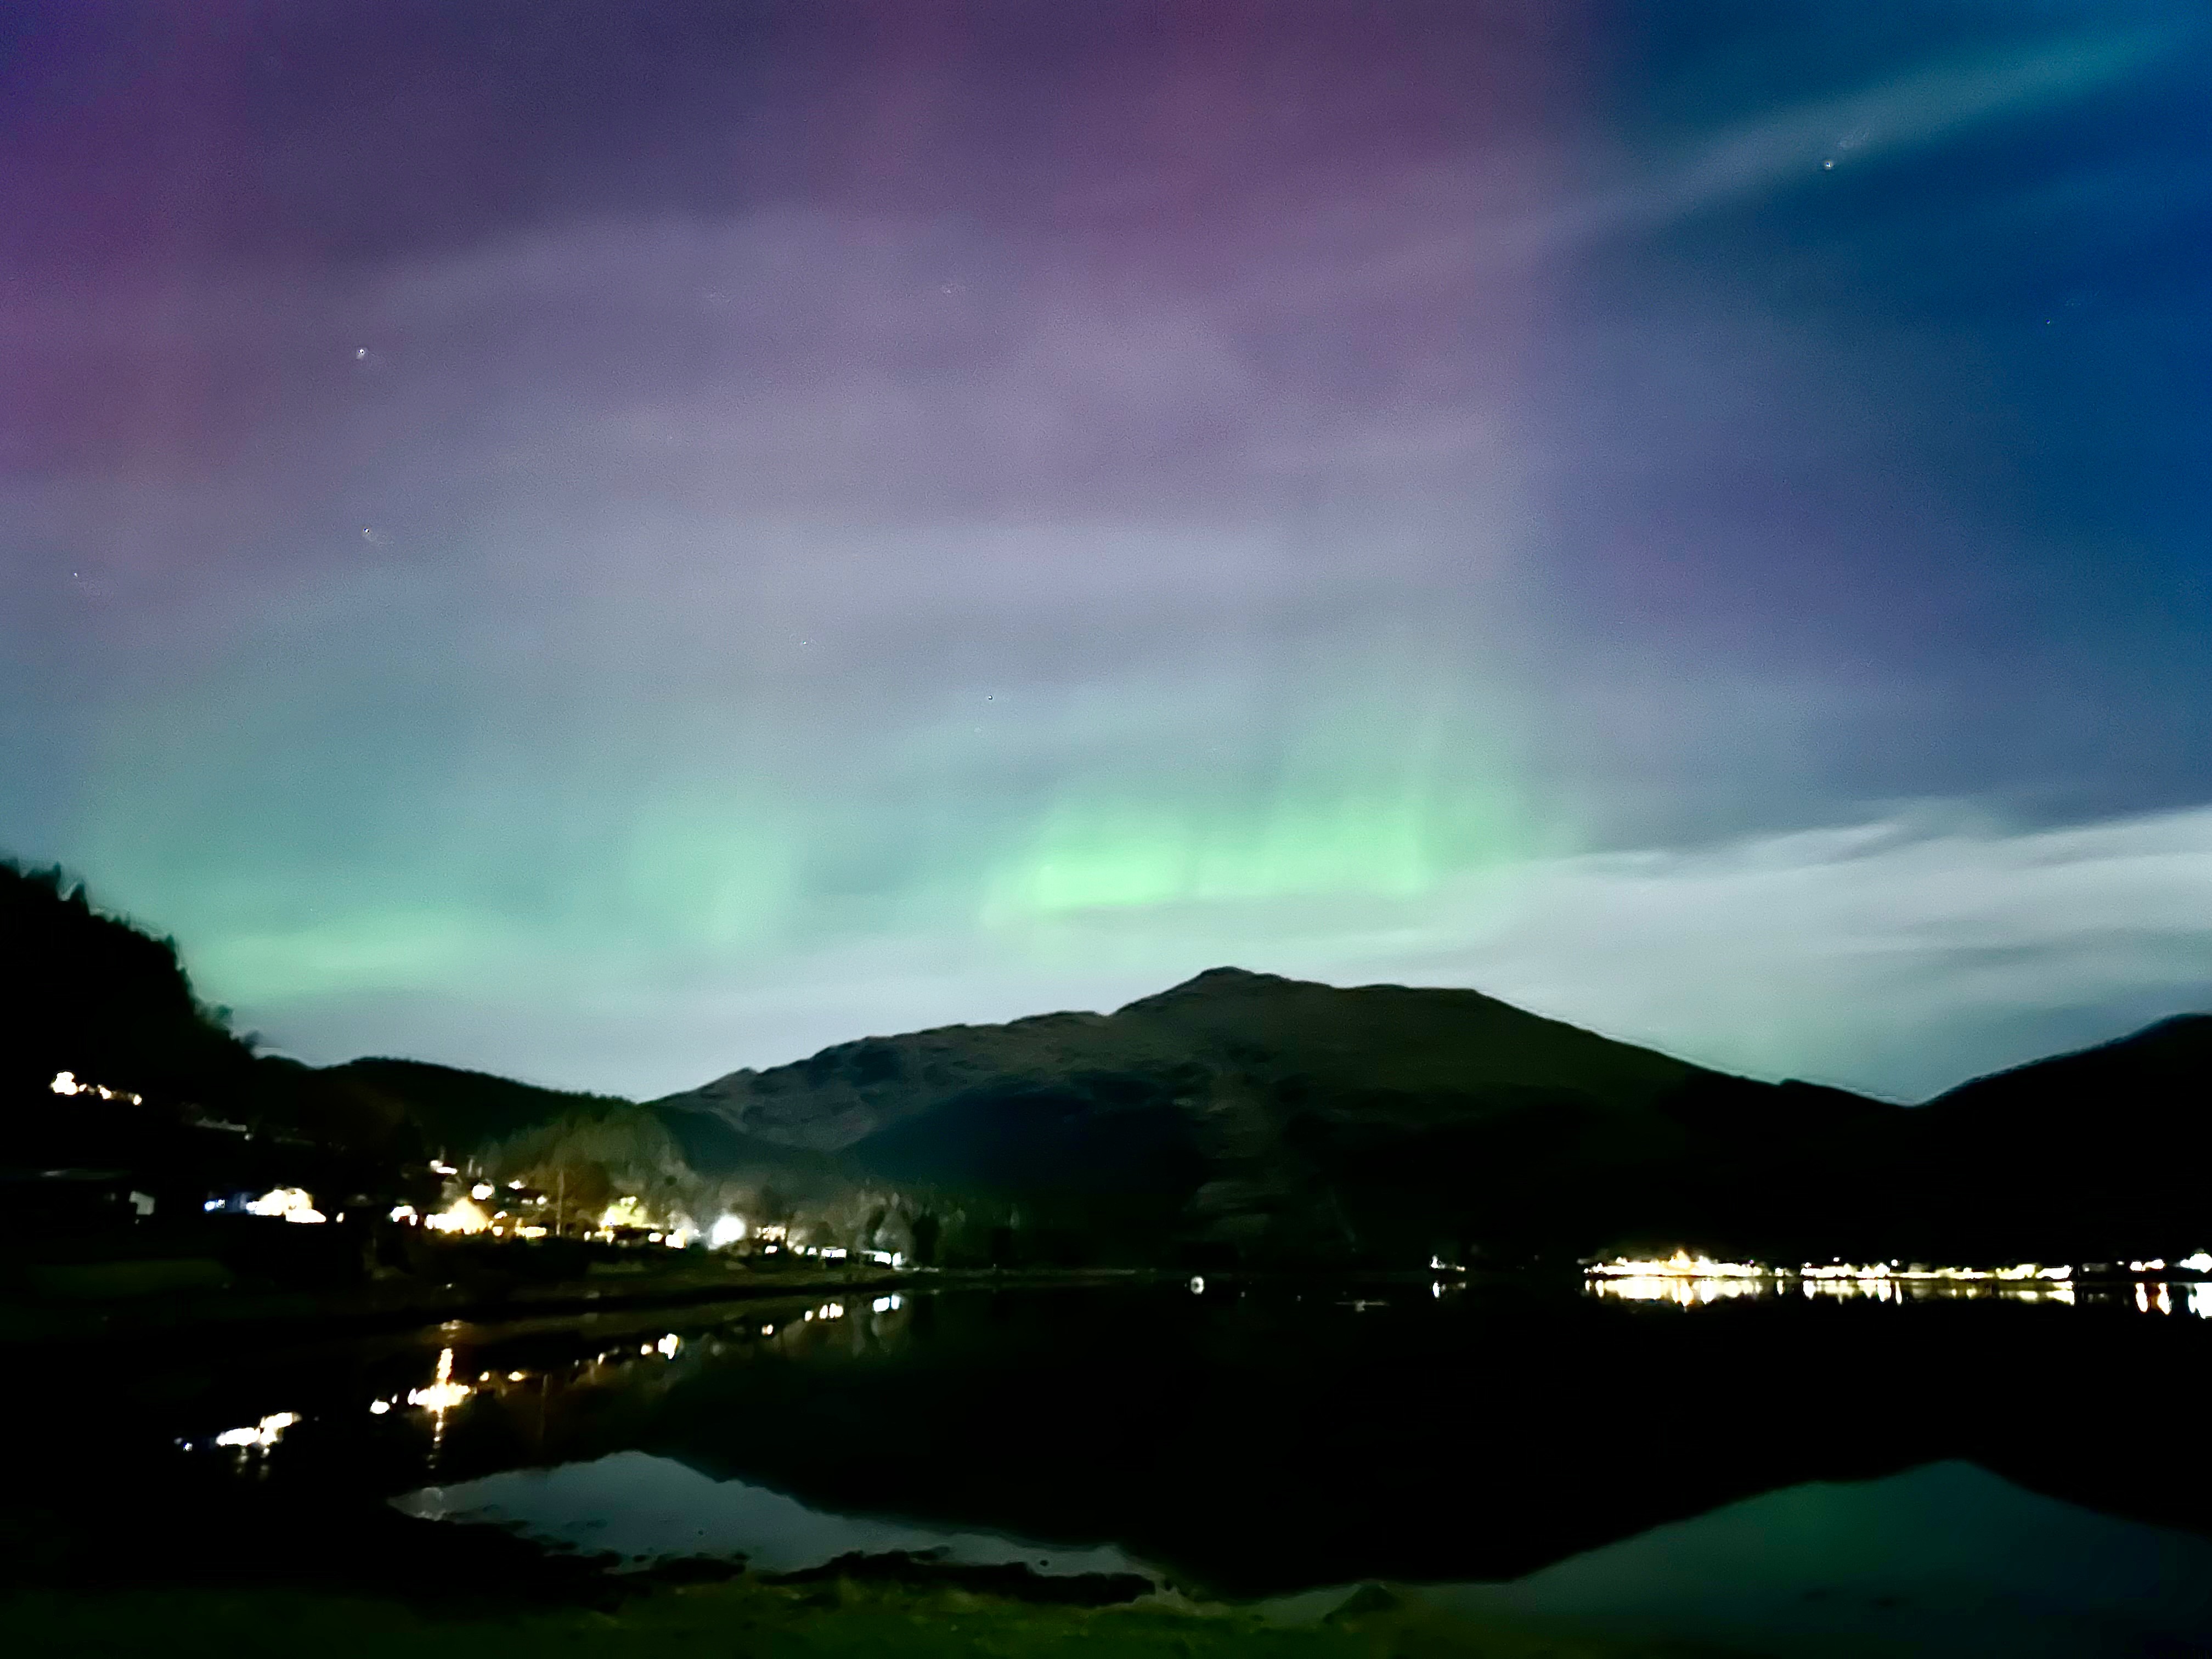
[
  {"x": 1888, "y": 117},
  {"x": 1897, "y": 956}
]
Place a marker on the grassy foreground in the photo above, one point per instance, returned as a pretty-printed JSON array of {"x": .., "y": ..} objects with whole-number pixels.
[{"x": 742, "y": 1618}]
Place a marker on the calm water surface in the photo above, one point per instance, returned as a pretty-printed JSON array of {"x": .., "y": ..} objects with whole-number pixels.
[{"x": 1960, "y": 1476}]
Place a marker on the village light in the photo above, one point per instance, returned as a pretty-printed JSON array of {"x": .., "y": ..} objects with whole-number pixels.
[
  {"x": 482, "y": 1190},
  {"x": 262, "y": 1436},
  {"x": 65, "y": 1083},
  {"x": 622, "y": 1212},
  {"x": 725, "y": 1232},
  {"x": 462, "y": 1216},
  {"x": 290, "y": 1202}
]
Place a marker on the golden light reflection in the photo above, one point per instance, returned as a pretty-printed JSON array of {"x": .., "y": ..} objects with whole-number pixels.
[
  {"x": 1683, "y": 1265},
  {"x": 443, "y": 1394},
  {"x": 1688, "y": 1279},
  {"x": 1680, "y": 1289}
]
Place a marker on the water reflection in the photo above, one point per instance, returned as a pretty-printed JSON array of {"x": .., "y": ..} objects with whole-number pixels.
[
  {"x": 1255, "y": 1438},
  {"x": 1947, "y": 1561},
  {"x": 1658, "y": 1282},
  {"x": 250, "y": 1443},
  {"x": 426, "y": 1411},
  {"x": 1682, "y": 1290},
  {"x": 643, "y": 1509}
]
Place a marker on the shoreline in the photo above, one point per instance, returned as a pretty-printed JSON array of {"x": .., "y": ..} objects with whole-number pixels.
[{"x": 386, "y": 1306}]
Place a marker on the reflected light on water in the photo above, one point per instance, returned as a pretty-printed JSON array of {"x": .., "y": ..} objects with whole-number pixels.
[
  {"x": 443, "y": 1394},
  {"x": 1682, "y": 1290},
  {"x": 1687, "y": 1280}
]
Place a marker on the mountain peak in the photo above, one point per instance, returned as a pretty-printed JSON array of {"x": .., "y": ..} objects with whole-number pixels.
[{"x": 1215, "y": 981}]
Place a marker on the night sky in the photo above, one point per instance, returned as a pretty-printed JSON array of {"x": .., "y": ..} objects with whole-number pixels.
[{"x": 612, "y": 542}]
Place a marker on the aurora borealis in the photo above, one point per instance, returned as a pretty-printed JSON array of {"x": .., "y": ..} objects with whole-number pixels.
[{"x": 611, "y": 543}]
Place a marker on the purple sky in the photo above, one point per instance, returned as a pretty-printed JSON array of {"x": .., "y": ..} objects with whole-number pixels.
[{"x": 608, "y": 542}]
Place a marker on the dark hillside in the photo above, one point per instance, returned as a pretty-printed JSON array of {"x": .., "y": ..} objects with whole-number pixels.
[
  {"x": 87, "y": 993},
  {"x": 1247, "y": 1117},
  {"x": 2088, "y": 1154},
  {"x": 457, "y": 1110}
]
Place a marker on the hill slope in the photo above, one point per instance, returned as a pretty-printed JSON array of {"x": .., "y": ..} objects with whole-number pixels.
[
  {"x": 458, "y": 1110},
  {"x": 87, "y": 992},
  {"x": 2087, "y": 1154},
  {"x": 1244, "y": 1116}
]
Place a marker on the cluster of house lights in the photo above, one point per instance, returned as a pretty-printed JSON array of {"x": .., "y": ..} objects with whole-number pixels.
[
  {"x": 1690, "y": 1280},
  {"x": 65, "y": 1083},
  {"x": 1683, "y": 1265}
]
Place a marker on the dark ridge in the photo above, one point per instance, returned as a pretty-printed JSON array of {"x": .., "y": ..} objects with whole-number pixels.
[
  {"x": 457, "y": 1109},
  {"x": 1237, "y": 1118},
  {"x": 85, "y": 991}
]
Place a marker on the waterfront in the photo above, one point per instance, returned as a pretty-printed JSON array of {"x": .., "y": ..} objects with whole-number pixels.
[{"x": 1249, "y": 1440}]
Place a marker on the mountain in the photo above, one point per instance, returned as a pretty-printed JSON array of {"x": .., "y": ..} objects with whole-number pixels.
[
  {"x": 1236, "y": 1118},
  {"x": 2084, "y": 1155},
  {"x": 1247, "y": 1117}
]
